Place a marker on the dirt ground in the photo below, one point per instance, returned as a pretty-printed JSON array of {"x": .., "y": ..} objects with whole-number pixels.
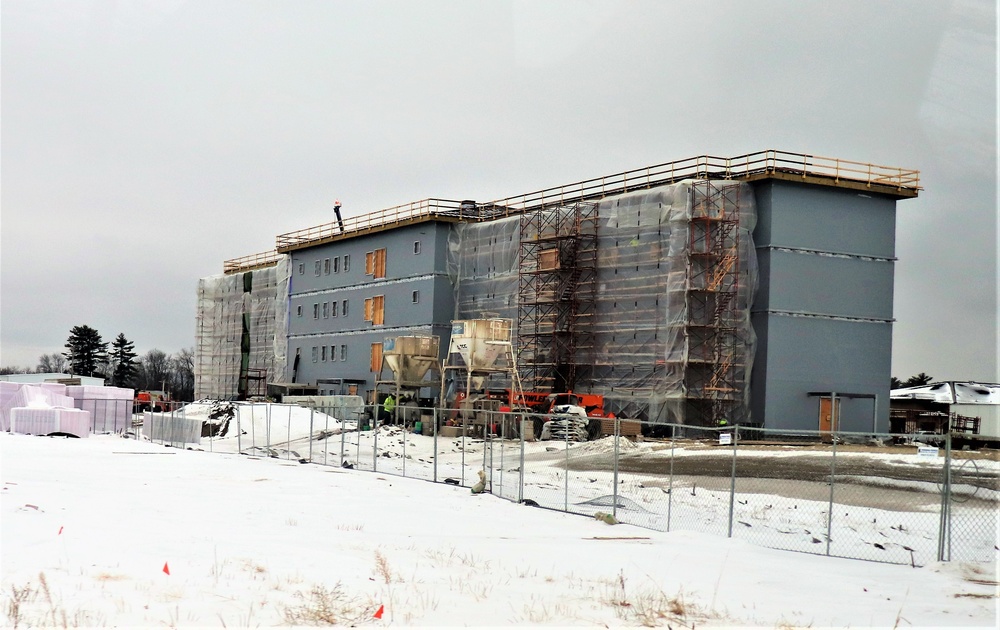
[{"x": 863, "y": 481}]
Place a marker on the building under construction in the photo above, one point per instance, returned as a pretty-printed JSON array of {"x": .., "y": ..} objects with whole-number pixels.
[{"x": 756, "y": 289}]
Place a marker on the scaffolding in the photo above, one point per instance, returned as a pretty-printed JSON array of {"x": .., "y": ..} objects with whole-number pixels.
[
  {"x": 716, "y": 367},
  {"x": 557, "y": 287},
  {"x": 242, "y": 329},
  {"x": 643, "y": 298}
]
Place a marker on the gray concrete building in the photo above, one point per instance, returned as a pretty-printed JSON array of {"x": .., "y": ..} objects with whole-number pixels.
[{"x": 756, "y": 289}]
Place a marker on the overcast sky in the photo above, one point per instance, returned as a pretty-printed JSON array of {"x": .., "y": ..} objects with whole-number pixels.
[{"x": 145, "y": 142}]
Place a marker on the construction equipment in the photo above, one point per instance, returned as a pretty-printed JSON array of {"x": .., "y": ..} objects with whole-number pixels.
[{"x": 152, "y": 400}]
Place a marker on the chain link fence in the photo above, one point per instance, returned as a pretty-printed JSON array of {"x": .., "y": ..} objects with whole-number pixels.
[{"x": 884, "y": 497}]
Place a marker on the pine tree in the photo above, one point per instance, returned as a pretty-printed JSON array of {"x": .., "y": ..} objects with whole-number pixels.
[
  {"x": 918, "y": 379},
  {"x": 123, "y": 364},
  {"x": 86, "y": 351}
]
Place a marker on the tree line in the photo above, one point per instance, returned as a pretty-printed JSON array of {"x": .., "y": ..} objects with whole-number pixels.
[{"x": 87, "y": 354}]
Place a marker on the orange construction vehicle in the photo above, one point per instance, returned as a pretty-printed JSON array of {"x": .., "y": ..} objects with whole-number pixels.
[{"x": 152, "y": 400}]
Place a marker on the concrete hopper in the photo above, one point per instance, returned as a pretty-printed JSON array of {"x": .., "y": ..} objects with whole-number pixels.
[
  {"x": 482, "y": 343},
  {"x": 411, "y": 357}
]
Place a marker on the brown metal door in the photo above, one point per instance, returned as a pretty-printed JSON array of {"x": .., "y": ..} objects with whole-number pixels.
[{"x": 829, "y": 418}]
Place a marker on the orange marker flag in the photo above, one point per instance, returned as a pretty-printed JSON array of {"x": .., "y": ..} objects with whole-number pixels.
[
  {"x": 378, "y": 613},
  {"x": 166, "y": 569}
]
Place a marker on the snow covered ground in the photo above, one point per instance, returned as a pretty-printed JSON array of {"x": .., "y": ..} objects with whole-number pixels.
[
  {"x": 872, "y": 519},
  {"x": 91, "y": 527}
]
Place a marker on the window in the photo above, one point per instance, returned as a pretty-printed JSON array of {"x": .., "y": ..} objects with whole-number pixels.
[
  {"x": 347, "y": 262},
  {"x": 376, "y": 365},
  {"x": 315, "y": 310},
  {"x": 336, "y": 265},
  {"x": 416, "y": 247},
  {"x": 302, "y": 268},
  {"x": 315, "y": 353},
  {"x": 333, "y": 353},
  {"x": 375, "y": 310},
  {"x": 322, "y": 353},
  {"x": 416, "y": 297},
  {"x": 343, "y": 308},
  {"x": 333, "y": 308},
  {"x": 319, "y": 266},
  {"x": 326, "y": 266},
  {"x": 375, "y": 263},
  {"x": 326, "y": 310},
  {"x": 298, "y": 310},
  {"x": 343, "y": 353}
]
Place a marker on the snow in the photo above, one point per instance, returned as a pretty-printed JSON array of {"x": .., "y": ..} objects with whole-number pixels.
[
  {"x": 263, "y": 541},
  {"x": 951, "y": 393}
]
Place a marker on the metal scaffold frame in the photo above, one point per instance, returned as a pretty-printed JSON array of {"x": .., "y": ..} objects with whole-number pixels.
[
  {"x": 557, "y": 296},
  {"x": 715, "y": 377}
]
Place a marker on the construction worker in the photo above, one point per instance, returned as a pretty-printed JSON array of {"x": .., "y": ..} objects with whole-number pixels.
[
  {"x": 389, "y": 405},
  {"x": 723, "y": 423}
]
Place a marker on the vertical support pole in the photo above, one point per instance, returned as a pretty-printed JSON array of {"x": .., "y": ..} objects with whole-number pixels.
[
  {"x": 949, "y": 459},
  {"x": 520, "y": 476},
  {"x": 436, "y": 439},
  {"x": 614, "y": 480},
  {"x": 375, "y": 435},
  {"x": 239, "y": 433},
  {"x": 829, "y": 510},
  {"x": 566, "y": 472},
  {"x": 357, "y": 458},
  {"x": 253, "y": 426},
  {"x": 312, "y": 413},
  {"x": 267, "y": 425},
  {"x": 503, "y": 441},
  {"x": 732, "y": 479},
  {"x": 670, "y": 487},
  {"x": 288, "y": 438},
  {"x": 341, "y": 460}
]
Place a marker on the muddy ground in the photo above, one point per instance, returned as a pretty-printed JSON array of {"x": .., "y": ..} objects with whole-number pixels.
[{"x": 866, "y": 481}]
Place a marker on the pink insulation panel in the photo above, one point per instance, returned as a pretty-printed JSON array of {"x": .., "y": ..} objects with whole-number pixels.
[{"x": 39, "y": 421}]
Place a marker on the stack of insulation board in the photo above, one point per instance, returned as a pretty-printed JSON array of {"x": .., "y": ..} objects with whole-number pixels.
[
  {"x": 110, "y": 407},
  {"x": 171, "y": 428},
  {"x": 45, "y": 421},
  {"x": 41, "y": 395}
]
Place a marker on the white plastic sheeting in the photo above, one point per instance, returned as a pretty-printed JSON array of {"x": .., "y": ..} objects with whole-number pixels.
[
  {"x": 110, "y": 407},
  {"x": 951, "y": 393},
  {"x": 31, "y": 396},
  {"x": 646, "y": 336},
  {"x": 260, "y": 299},
  {"x": 45, "y": 421},
  {"x": 172, "y": 428}
]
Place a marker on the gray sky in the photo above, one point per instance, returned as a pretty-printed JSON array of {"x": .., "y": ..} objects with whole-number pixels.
[{"x": 143, "y": 142}]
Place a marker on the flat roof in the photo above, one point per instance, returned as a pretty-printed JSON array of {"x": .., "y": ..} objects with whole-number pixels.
[{"x": 899, "y": 183}]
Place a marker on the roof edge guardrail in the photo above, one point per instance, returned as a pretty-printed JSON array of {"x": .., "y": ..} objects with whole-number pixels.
[{"x": 760, "y": 164}]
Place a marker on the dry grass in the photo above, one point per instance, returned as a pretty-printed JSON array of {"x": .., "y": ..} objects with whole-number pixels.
[
  {"x": 383, "y": 570},
  {"x": 327, "y": 607},
  {"x": 652, "y": 607},
  {"x": 22, "y": 609}
]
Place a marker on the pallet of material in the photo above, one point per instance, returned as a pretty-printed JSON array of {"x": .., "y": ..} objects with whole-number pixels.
[{"x": 628, "y": 428}]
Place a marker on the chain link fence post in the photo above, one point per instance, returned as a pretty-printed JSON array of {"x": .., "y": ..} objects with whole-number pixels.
[
  {"x": 833, "y": 482},
  {"x": 732, "y": 479},
  {"x": 670, "y": 484},
  {"x": 374, "y": 441},
  {"x": 520, "y": 469},
  {"x": 614, "y": 505},
  {"x": 435, "y": 456},
  {"x": 566, "y": 472}
]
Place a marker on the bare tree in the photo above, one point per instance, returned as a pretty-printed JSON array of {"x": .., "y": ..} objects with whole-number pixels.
[
  {"x": 182, "y": 364},
  {"x": 154, "y": 370},
  {"x": 52, "y": 363}
]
